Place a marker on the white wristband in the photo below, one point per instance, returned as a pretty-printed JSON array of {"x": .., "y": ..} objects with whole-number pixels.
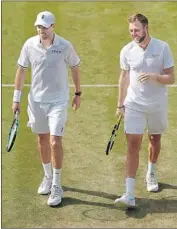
[{"x": 17, "y": 96}]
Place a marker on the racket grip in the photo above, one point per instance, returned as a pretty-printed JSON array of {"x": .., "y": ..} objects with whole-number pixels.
[{"x": 16, "y": 114}]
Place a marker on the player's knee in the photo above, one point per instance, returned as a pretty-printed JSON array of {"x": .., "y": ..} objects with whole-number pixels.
[
  {"x": 155, "y": 143},
  {"x": 134, "y": 150},
  {"x": 134, "y": 144},
  {"x": 43, "y": 139},
  {"x": 155, "y": 139},
  {"x": 55, "y": 143}
]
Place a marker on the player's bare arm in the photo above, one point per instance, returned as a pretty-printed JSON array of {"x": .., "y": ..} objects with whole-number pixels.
[
  {"x": 123, "y": 85},
  {"x": 76, "y": 79},
  {"x": 20, "y": 78},
  {"x": 19, "y": 82},
  {"x": 167, "y": 78}
]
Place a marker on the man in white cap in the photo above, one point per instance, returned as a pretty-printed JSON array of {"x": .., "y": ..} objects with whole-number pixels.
[
  {"x": 46, "y": 19},
  {"x": 48, "y": 55}
]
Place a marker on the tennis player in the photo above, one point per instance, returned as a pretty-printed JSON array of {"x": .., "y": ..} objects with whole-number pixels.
[
  {"x": 48, "y": 55},
  {"x": 147, "y": 67}
]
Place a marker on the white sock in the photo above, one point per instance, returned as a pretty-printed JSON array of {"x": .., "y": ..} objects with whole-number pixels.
[
  {"x": 47, "y": 169},
  {"x": 130, "y": 185},
  {"x": 56, "y": 177},
  {"x": 151, "y": 167}
]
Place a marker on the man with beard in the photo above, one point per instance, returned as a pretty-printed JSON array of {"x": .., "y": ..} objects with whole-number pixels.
[
  {"x": 48, "y": 55},
  {"x": 147, "y": 67}
]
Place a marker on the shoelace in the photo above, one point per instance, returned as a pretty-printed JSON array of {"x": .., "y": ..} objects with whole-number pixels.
[
  {"x": 151, "y": 179},
  {"x": 45, "y": 179},
  {"x": 56, "y": 191}
]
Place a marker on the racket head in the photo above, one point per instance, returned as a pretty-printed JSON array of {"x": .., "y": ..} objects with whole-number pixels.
[
  {"x": 113, "y": 135},
  {"x": 12, "y": 132}
]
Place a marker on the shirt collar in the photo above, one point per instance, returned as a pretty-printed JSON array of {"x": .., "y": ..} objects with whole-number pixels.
[{"x": 55, "y": 40}]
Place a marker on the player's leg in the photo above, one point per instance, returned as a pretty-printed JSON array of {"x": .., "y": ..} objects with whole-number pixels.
[
  {"x": 134, "y": 125},
  {"x": 45, "y": 156},
  {"x": 57, "y": 120},
  {"x": 57, "y": 159},
  {"x": 39, "y": 125},
  {"x": 157, "y": 124},
  {"x": 154, "y": 147},
  {"x": 44, "y": 148},
  {"x": 153, "y": 153}
]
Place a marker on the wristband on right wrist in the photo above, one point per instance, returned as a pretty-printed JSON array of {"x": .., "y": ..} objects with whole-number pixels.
[
  {"x": 79, "y": 93},
  {"x": 17, "y": 96},
  {"x": 119, "y": 107}
]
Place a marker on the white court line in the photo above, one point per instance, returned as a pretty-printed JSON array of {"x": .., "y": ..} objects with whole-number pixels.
[
  {"x": 83, "y": 85},
  {"x": 71, "y": 85}
]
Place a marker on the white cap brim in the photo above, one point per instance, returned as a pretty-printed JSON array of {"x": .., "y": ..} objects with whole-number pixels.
[{"x": 41, "y": 22}]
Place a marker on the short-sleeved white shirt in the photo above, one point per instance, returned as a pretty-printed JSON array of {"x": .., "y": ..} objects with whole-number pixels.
[
  {"x": 49, "y": 82},
  {"x": 154, "y": 59}
]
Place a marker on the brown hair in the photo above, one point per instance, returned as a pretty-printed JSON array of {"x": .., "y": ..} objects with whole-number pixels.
[{"x": 138, "y": 17}]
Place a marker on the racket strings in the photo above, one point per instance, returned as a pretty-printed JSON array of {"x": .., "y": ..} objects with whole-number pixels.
[{"x": 12, "y": 133}]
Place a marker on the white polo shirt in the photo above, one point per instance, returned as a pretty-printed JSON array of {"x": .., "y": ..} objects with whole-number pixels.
[
  {"x": 49, "y": 82},
  {"x": 154, "y": 59}
]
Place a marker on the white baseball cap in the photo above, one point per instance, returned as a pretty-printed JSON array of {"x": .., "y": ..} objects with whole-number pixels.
[{"x": 45, "y": 19}]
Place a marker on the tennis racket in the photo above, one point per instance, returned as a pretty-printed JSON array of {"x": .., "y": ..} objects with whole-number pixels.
[
  {"x": 12, "y": 132},
  {"x": 113, "y": 135}
]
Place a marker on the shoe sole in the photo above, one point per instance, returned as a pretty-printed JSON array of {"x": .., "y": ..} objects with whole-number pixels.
[
  {"x": 44, "y": 193},
  {"x": 154, "y": 190},
  {"x": 54, "y": 204}
]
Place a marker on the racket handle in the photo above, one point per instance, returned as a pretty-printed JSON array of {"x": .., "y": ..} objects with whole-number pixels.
[{"x": 16, "y": 114}]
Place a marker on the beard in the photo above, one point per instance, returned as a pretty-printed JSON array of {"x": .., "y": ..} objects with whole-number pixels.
[{"x": 141, "y": 38}]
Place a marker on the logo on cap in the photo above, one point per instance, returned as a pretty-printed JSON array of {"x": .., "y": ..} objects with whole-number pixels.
[{"x": 43, "y": 16}]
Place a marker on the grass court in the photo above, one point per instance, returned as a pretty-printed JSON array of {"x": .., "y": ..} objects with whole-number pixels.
[{"x": 91, "y": 180}]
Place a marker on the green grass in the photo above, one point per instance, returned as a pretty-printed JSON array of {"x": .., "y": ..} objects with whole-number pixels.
[{"x": 91, "y": 179}]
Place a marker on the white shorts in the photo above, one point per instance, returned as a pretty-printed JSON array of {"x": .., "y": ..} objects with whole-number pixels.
[
  {"x": 135, "y": 122},
  {"x": 47, "y": 117}
]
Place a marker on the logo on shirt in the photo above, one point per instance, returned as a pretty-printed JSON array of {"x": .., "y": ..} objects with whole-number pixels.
[
  {"x": 56, "y": 51},
  {"x": 154, "y": 55}
]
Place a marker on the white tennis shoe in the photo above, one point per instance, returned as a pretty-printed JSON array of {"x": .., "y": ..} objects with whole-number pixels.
[
  {"x": 152, "y": 184},
  {"x": 55, "y": 196},
  {"x": 126, "y": 201},
  {"x": 45, "y": 186}
]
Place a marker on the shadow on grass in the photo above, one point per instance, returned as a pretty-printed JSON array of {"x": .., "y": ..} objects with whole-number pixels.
[
  {"x": 144, "y": 205},
  {"x": 72, "y": 201},
  {"x": 92, "y": 193},
  {"x": 163, "y": 186},
  {"x": 149, "y": 206}
]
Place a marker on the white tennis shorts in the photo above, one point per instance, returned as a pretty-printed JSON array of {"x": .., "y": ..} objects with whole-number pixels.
[
  {"x": 136, "y": 122},
  {"x": 47, "y": 117}
]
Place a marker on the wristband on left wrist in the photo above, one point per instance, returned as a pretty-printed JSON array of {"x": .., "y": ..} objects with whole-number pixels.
[{"x": 17, "y": 96}]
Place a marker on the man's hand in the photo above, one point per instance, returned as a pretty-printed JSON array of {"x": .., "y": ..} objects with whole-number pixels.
[
  {"x": 76, "y": 102},
  {"x": 15, "y": 107},
  {"x": 120, "y": 110},
  {"x": 144, "y": 77}
]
